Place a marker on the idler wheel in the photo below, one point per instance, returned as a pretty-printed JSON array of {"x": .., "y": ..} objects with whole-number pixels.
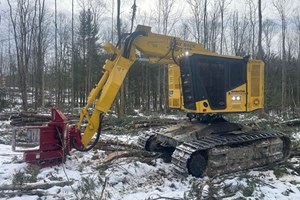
[
  {"x": 153, "y": 145},
  {"x": 197, "y": 164}
]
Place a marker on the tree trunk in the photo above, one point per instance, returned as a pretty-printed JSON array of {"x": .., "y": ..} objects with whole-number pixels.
[
  {"x": 73, "y": 64},
  {"x": 56, "y": 58},
  {"x": 222, "y": 10},
  {"x": 205, "y": 28},
  {"x": 283, "y": 78},
  {"x": 33, "y": 186},
  {"x": 260, "y": 49},
  {"x": 122, "y": 89},
  {"x": 40, "y": 55},
  {"x": 23, "y": 27}
]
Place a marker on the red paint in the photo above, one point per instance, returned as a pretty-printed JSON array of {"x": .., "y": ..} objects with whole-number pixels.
[{"x": 55, "y": 141}]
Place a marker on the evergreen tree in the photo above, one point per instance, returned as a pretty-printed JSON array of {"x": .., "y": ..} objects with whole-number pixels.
[{"x": 88, "y": 55}]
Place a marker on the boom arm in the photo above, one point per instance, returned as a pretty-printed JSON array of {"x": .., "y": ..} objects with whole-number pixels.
[{"x": 158, "y": 48}]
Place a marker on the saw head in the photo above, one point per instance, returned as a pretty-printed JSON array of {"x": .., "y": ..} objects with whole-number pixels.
[{"x": 47, "y": 145}]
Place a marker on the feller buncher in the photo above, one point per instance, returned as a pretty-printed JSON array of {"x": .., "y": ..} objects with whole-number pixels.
[{"x": 203, "y": 83}]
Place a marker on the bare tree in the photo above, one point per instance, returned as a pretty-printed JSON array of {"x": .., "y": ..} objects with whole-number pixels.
[
  {"x": 169, "y": 19},
  {"x": 63, "y": 57},
  {"x": 112, "y": 21},
  {"x": 297, "y": 23},
  {"x": 121, "y": 106},
  {"x": 196, "y": 8},
  {"x": 169, "y": 15},
  {"x": 297, "y": 39},
  {"x": 133, "y": 15},
  {"x": 260, "y": 49},
  {"x": 283, "y": 7},
  {"x": 23, "y": 18},
  {"x": 184, "y": 31},
  {"x": 222, "y": 5},
  {"x": 119, "y": 19},
  {"x": 41, "y": 34},
  {"x": 73, "y": 62},
  {"x": 213, "y": 26},
  {"x": 57, "y": 95},
  {"x": 205, "y": 27},
  {"x": 268, "y": 30},
  {"x": 238, "y": 35},
  {"x": 252, "y": 27}
]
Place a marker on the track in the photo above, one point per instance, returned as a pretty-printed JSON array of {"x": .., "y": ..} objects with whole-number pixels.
[
  {"x": 143, "y": 140},
  {"x": 219, "y": 154}
]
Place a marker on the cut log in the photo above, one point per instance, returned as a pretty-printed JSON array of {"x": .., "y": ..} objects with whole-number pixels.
[
  {"x": 6, "y": 115},
  {"x": 149, "y": 123},
  {"x": 33, "y": 186},
  {"x": 30, "y": 193},
  {"x": 292, "y": 122},
  {"x": 29, "y": 120},
  {"x": 34, "y": 115},
  {"x": 121, "y": 154},
  {"x": 33, "y": 119},
  {"x": 114, "y": 145}
]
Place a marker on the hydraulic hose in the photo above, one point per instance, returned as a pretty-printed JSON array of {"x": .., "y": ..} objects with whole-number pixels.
[
  {"x": 129, "y": 41},
  {"x": 94, "y": 142},
  {"x": 174, "y": 44}
]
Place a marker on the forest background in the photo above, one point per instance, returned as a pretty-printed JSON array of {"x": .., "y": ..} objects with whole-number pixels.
[{"x": 51, "y": 54}]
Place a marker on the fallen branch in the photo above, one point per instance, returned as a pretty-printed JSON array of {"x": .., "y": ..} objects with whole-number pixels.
[
  {"x": 104, "y": 188},
  {"x": 34, "y": 186}
]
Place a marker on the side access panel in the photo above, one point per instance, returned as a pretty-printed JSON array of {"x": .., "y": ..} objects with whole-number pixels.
[
  {"x": 255, "y": 76},
  {"x": 174, "y": 84}
]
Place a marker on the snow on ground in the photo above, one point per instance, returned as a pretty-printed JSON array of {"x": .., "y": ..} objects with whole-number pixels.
[
  {"x": 129, "y": 139},
  {"x": 296, "y": 136},
  {"x": 127, "y": 179},
  {"x": 136, "y": 179}
]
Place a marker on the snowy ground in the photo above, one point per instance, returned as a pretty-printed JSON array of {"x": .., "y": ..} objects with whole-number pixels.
[{"x": 135, "y": 179}]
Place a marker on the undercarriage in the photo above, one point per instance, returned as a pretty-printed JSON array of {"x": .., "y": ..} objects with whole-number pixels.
[{"x": 217, "y": 147}]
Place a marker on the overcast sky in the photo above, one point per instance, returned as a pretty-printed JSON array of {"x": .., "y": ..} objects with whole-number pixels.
[
  {"x": 65, "y": 6},
  {"x": 147, "y": 5}
]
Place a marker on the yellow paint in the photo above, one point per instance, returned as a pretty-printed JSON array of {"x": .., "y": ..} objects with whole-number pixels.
[
  {"x": 175, "y": 96},
  {"x": 163, "y": 49}
]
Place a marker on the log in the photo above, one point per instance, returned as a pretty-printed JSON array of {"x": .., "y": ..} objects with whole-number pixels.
[
  {"x": 113, "y": 145},
  {"x": 33, "y": 119},
  {"x": 6, "y": 115},
  {"x": 294, "y": 153},
  {"x": 29, "y": 120},
  {"x": 30, "y": 193},
  {"x": 149, "y": 123},
  {"x": 121, "y": 154},
  {"x": 33, "y": 186},
  {"x": 34, "y": 115},
  {"x": 292, "y": 122}
]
